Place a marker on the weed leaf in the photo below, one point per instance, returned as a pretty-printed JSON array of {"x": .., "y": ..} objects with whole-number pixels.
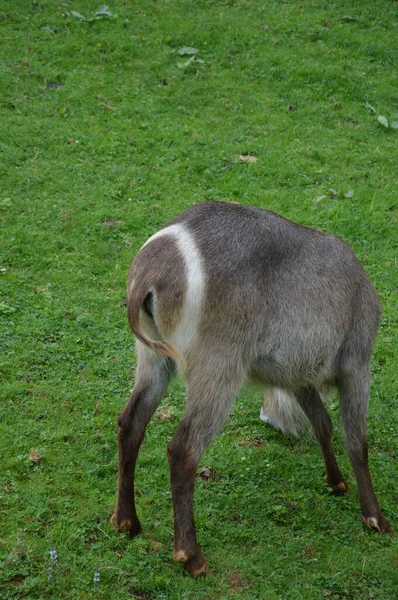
[
  {"x": 103, "y": 12},
  {"x": 77, "y": 15},
  {"x": 185, "y": 64},
  {"x": 187, "y": 50},
  {"x": 382, "y": 120},
  {"x": 5, "y": 309}
]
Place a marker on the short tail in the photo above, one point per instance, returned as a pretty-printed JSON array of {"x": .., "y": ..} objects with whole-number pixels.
[
  {"x": 282, "y": 411},
  {"x": 135, "y": 305}
]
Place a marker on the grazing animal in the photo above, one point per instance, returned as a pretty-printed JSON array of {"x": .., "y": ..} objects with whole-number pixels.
[{"x": 224, "y": 293}]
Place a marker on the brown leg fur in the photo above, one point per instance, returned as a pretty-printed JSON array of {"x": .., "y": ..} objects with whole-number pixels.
[
  {"x": 206, "y": 409},
  {"x": 372, "y": 516},
  {"x": 183, "y": 473},
  {"x": 315, "y": 411},
  {"x": 153, "y": 376},
  {"x": 354, "y": 393},
  {"x": 125, "y": 517}
]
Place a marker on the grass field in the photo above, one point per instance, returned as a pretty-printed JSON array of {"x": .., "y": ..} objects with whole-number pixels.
[{"x": 108, "y": 130}]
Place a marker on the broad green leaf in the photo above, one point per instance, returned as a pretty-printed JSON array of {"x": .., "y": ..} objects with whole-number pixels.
[
  {"x": 77, "y": 15},
  {"x": 187, "y": 50},
  {"x": 186, "y": 64},
  {"x": 382, "y": 120},
  {"x": 103, "y": 12}
]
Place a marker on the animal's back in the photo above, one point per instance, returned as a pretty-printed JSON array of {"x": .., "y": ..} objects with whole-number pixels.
[{"x": 286, "y": 295}]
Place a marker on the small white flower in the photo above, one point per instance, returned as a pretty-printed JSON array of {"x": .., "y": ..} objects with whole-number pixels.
[
  {"x": 49, "y": 573},
  {"x": 96, "y": 577},
  {"x": 53, "y": 554},
  {"x": 3, "y": 270}
]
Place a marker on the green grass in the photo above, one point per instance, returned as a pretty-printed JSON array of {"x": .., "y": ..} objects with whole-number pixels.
[{"x": 104, "y": 139}]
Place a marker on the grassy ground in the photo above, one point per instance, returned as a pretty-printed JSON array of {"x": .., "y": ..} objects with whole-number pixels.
[{"x": 107, "y": 133}]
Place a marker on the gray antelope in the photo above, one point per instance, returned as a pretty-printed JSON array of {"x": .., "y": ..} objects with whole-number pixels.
[{"x": 226, "y": 293}]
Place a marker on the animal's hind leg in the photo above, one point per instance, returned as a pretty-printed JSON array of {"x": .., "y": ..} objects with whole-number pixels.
[
  {"x": 354, "y": 393},
  {"x": 315, "y": 411},
  {"x": 153, "y": 376},
  {"x": 210, "y": 396}
]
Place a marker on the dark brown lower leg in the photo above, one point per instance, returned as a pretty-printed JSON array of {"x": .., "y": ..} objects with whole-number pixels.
[
  {"x": 153, "y": 376},
  {"x": 183, "y": 472},
  {"x": 315, "y": 411},
  {"x": 371, "y": 513},
  {"x": 208, "y": 403},
  {"x": 354, "y": 393},
  {"x": 125, "y": 517}
]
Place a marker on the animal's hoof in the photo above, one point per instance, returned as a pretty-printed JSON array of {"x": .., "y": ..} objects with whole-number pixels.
[
  {"x": 125, "y": 525},
  {"x": 195, "y": 564},
  {"x": 379, "y": 524},
  {"x": 340, "y": 488}
]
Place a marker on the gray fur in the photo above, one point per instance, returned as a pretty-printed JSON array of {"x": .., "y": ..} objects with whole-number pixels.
[{"x": 283, "y": 304}]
